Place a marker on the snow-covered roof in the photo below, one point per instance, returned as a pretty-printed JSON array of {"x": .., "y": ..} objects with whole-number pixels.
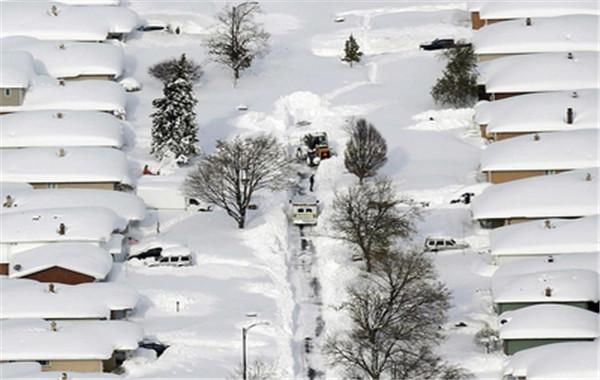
[
  {"x": 69, "y": 165},
  {"x": 568, "y": 194},
  {"x": 126, "y": 205},
  {"x": 549, "y": 321},
  {"x": 68, "y": 59},
  {"x": 33, "y": 370},
  {"x": 8, "y": 187},
  {"x": 22, "y": 298},
  {"x": 17, "y": 69},
  {"x": 60, "y": 128},
  {"x": 82, "y": 258},
  {"x": 70, "y": 23},
  {"x": 552, "y": 236},
  {"x": 555, "y": 34},
  {"x": 33, "y": 339},
  {"x": 83, "y": 224},
  {"x": 540, "y": 72},
  {"x": 84, "y": 95},
  {"x": 576, "y": 261},
  {"x": 558, "y": 361},
  {"x": 545, "y": 151},
  {"x": 532, "y": 8},
  {"x": 565, "y": 286},
  {"x": 540, "y": 112}
]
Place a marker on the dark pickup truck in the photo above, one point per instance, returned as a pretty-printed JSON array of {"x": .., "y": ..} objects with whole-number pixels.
[{"x": 442, "y": 43}]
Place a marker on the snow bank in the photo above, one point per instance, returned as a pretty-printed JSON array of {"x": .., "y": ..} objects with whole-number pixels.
[
  {"x": 61, "y": 128},
  {"x": 83, "y": 224},
  {"x": 540, "y": 72},
  {"x": 70, "y": 165},
  {"x": 563, "y": 236},
  {"x": 570, "y": 33},
  {"x": 125, "y": 205},
  {"x": 68, "y": 59},
  {"x": 539, "y": 112},
  {"x": 31, "y": 299},
  {"x": 545, "y": 151},
  {"x": 547, "y": 321},
  {"x": 578, "y": 261},
  {"x": 17, "y": 69},
  {"x": 567, "y": 194},
  {"x": 522, "y": 9}
]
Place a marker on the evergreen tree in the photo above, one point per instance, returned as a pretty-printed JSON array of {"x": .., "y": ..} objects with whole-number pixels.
[
  {"x": 352, "y": 51},
  {"x": 458, "y": 85},
  {"x": 174, "y": 125},
  {"x": 169, "y": 70}
]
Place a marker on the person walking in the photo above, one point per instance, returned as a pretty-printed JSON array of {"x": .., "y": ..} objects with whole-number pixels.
[{"x": 312, "y": 181}]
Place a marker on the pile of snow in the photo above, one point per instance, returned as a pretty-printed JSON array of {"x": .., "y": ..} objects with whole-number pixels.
[
  {"x": 82, "y": 224},
  {"x": 32, "y": 299},
  {"x": 60, "y": 128},
  {"x": 578, "y": 261},
  {"x": 442, "y": 120},
  {"x": 125, "y": 205},
  {"x": 539, "y": 112},
  {"x": 548, "y": 321},
  {"x": 502, "y": 10},
  {"x": 48, "y": 21},
  {"x": 559, "y": 361},
  {"x": 87, "y": 259},
  {"x": 17, "y": 69},
  {"x": 552, "y": 236},
  {"x": 85, "y": 95},
  {"x": 65, "y": 165},
  {"x": 569, "y": 194},
  {"x": 545, "y": 151},
  {"x": 68, "y": 59},
  {"x": 521, "y": 73},
  {"x": 34, "y": 339},
  {"x": 570, "y": 33}
]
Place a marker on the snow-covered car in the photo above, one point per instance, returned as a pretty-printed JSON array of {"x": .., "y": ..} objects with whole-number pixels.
[
  {"x": 441, "y": 243},
  {"x": 442, "y": 43},
  {"x": 157, "y": 252},
  {"x": 171, "y": 261}
]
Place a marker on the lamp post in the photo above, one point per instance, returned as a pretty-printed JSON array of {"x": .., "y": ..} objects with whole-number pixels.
[{"x": 244, "y": 334}]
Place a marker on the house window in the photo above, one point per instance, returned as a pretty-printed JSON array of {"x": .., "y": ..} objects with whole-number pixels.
[
  {"x": 550, "y": 172},
  {"x": 7, "y": 92},
  {"x": 53, "y": 186}
]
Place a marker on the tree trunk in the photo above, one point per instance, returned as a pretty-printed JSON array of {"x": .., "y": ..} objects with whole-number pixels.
[
  {"x": 242, "y": 220},
  {"x": 368, "y": 263}
]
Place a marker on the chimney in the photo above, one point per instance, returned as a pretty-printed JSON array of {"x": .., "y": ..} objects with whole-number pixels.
[
  {"x": 53, "y": 326},
  {"x": 51, "y": 288},
  {"x": 569, "y": 55},
  {"x": 61, "y": 152},
  {"x": 548, "y": 224},
  {"x": 574, "y": 94},
  {"x": 528, "y": 21},
  {"x": 588, "y": 177},
  {"x": 62, "y": 229},
  {"x": 536, "y": 137},
  {"x": 62, "y": 47},
  {"x": 550, "y": 259},
  {"x": 54, "y": 10},
  {"x": 569, "y": 115},
  {"x": 64, "y": 376},
  {"x": 61, "y": 82},
  {"x": 59, "y": 115},
  {"x": 9, "y": 202},
  {"x": 548, "y": 292}
]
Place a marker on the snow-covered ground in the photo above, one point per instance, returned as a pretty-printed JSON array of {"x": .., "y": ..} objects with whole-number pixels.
[{"x": 433, "y": 157}]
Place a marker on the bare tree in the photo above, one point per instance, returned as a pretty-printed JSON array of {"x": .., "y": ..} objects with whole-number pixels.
[
  {"x": 239, "y": 38},
  {"x": 237, "y": 169},
  {"x": 366, "y": 150},
  {"x": 396, "y": 315},
  {"x": 371, "y": 217},
  {"x": 171, "y": 69},
  {"x": 257, "y": 370}
]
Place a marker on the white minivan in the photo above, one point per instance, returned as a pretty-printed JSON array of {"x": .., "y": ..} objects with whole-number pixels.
[{"x": 440, "y": 243}]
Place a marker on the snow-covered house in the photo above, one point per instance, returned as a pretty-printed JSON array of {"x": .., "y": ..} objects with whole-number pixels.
[
  {"x": 572, "y": 33},
  {"x": 126, "y": 205},
  {"x": 74, "y": 167},
  {"x": 99, "y": 300},
  {"x": 572, "y": 194},
  {"x": 574, "y": 287},
  {"x": 25, "y": 230},
  {"x": 543, "y": 72},
  {"x": 576, "y": 261},
  {"x": 571, "y": 360},
  {"x": 540, "y": 154},
  {"x": 33, "y": 370},
  {"x": 542, "y": 324},
  {"x": 63, "y": 22},
  {"x": 539, "y": 112},
  {"x": 45, "y": 93},
  {"x": 490, "y": 12},
  {"x": 552, "y": 237},
  {"x": 69, "y": 60},
  {"x": 88, "y": 346},
  {"x": 60, "y": 129},
  {"x": 63, "y": 263},
  {"x": 18, "y": 71}
]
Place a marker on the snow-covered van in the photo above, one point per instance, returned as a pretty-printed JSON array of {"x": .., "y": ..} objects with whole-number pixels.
[{"x": 304, "y": 210}]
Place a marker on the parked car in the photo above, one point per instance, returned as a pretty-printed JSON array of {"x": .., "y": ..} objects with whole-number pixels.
[
  {"x": 157, "y": 252},
  {"x": 434, "y": 244},
  {"x": 171, "y": 261},
  {"x": 442, "y": 43}
]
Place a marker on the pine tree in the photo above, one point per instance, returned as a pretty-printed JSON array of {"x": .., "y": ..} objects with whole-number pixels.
[
  {"x": 458, "y": 85},
  {"x": 169, "y": 70},
  {"x": 352, "y": 51},
  {"x": 174, "y": 125}
]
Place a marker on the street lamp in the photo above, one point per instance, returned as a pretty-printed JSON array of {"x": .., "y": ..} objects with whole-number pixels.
[{"x": 244, "y": 333}]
